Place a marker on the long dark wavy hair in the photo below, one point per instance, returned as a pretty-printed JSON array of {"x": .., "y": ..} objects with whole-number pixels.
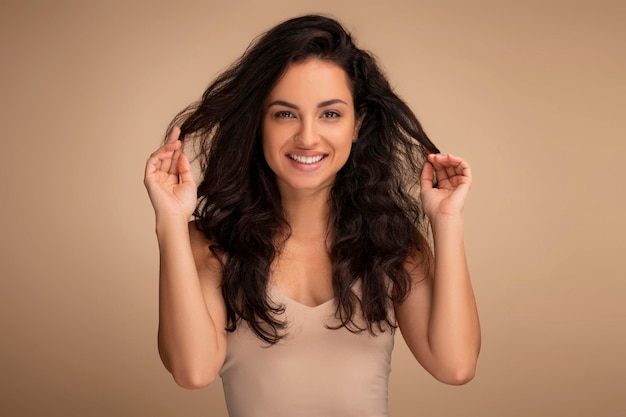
[{"x": 376, "y": 218}]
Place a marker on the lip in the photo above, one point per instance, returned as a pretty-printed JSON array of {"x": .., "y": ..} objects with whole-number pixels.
[{"x": 306, "y": 161}]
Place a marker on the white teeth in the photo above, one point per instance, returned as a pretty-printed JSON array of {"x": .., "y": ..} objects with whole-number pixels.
[{"x": 306, "y": 159}]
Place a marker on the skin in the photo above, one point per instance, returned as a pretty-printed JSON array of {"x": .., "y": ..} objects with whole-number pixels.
[
  {"x": 192, "y": 313},
  {"x": 439, "y": 319},
  {"x": 309, "y": 114}
]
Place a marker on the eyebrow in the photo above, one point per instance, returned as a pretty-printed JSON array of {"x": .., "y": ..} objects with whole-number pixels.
[{"x": 319, "y": 105}]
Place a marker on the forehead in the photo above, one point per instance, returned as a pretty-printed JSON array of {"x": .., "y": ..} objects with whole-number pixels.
[{"x": 313, "y": 80}]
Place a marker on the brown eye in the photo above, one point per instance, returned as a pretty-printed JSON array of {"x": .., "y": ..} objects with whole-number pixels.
[
  {"x": 283, "y": 114},
  {"x": 331, "y": 114}
]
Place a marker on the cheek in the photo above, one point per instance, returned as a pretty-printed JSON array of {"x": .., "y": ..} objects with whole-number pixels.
[{"x": 344, "y": 140}]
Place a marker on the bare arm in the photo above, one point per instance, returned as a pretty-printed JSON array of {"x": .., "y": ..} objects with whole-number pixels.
[
  {"x": 191, "y": 336},
  {"x": 439, "y": 319}
]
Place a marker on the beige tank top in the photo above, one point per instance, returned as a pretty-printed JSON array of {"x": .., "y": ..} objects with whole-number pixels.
[{"x": 313, "y": 371}]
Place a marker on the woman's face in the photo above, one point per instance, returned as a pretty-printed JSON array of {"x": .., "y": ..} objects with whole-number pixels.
[{"x": 309, "y": 126}]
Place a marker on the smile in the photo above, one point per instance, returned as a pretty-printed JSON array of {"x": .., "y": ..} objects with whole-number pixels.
[{"x": 307, "y": 160}]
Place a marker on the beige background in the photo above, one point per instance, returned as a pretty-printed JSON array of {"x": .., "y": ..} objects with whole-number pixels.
[{"x": 532, "y": 93}]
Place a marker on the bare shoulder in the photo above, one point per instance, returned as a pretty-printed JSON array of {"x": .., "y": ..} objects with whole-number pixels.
[
  {"x": 420, "y": 262},
  {"x": 207, "y": 263},
  {"x": 413, "y": 312},
  {"x": 210, "y": 275}
]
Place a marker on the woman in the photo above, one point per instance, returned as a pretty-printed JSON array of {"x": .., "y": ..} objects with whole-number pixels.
[{"x": 308, "y": 247}]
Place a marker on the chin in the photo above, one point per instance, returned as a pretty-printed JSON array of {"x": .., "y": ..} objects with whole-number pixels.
[{"x": 305, "y": 186}]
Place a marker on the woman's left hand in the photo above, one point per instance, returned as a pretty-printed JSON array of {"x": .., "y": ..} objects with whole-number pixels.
[{"x": 454, "y": 179}]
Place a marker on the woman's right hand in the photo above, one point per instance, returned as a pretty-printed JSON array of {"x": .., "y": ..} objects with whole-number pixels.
[
  {"x": 169, "y": 180},
  {"x": 192, "y": 313}
]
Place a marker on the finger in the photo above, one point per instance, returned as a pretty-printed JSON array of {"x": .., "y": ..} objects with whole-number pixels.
[
  {"x": 462, "y": 171},
  {"x": 456, "y": 169},
  {"x": 155, "y": 161},
  {"x": 171, "y": 150},
  {"x": 173, "y": 135},
  {"x": 167, "y": 147},
  {"x": 173, "y": 167},
  {"x": 437, "y": 160},
  {"x": 448, "y": 165},
  {"x": 427, "y": 177},
  {"x": 445, "y": 163},
  {"x": 463, "y": 168},
  {"x": 153, "y": 165},
  {"x": 184, "y": 169}
]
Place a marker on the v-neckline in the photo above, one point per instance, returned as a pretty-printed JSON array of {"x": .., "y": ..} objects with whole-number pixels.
[{"x": 286, "y": 297}]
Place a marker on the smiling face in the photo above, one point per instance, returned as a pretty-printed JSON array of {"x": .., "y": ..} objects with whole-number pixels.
[{"x": 308, "y": 126}]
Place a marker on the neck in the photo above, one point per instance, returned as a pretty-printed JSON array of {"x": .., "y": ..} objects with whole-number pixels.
[{"x": 307, "y": 214}]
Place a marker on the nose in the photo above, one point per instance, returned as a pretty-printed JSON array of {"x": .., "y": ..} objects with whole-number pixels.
[{"x": 307, "y": 135}]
